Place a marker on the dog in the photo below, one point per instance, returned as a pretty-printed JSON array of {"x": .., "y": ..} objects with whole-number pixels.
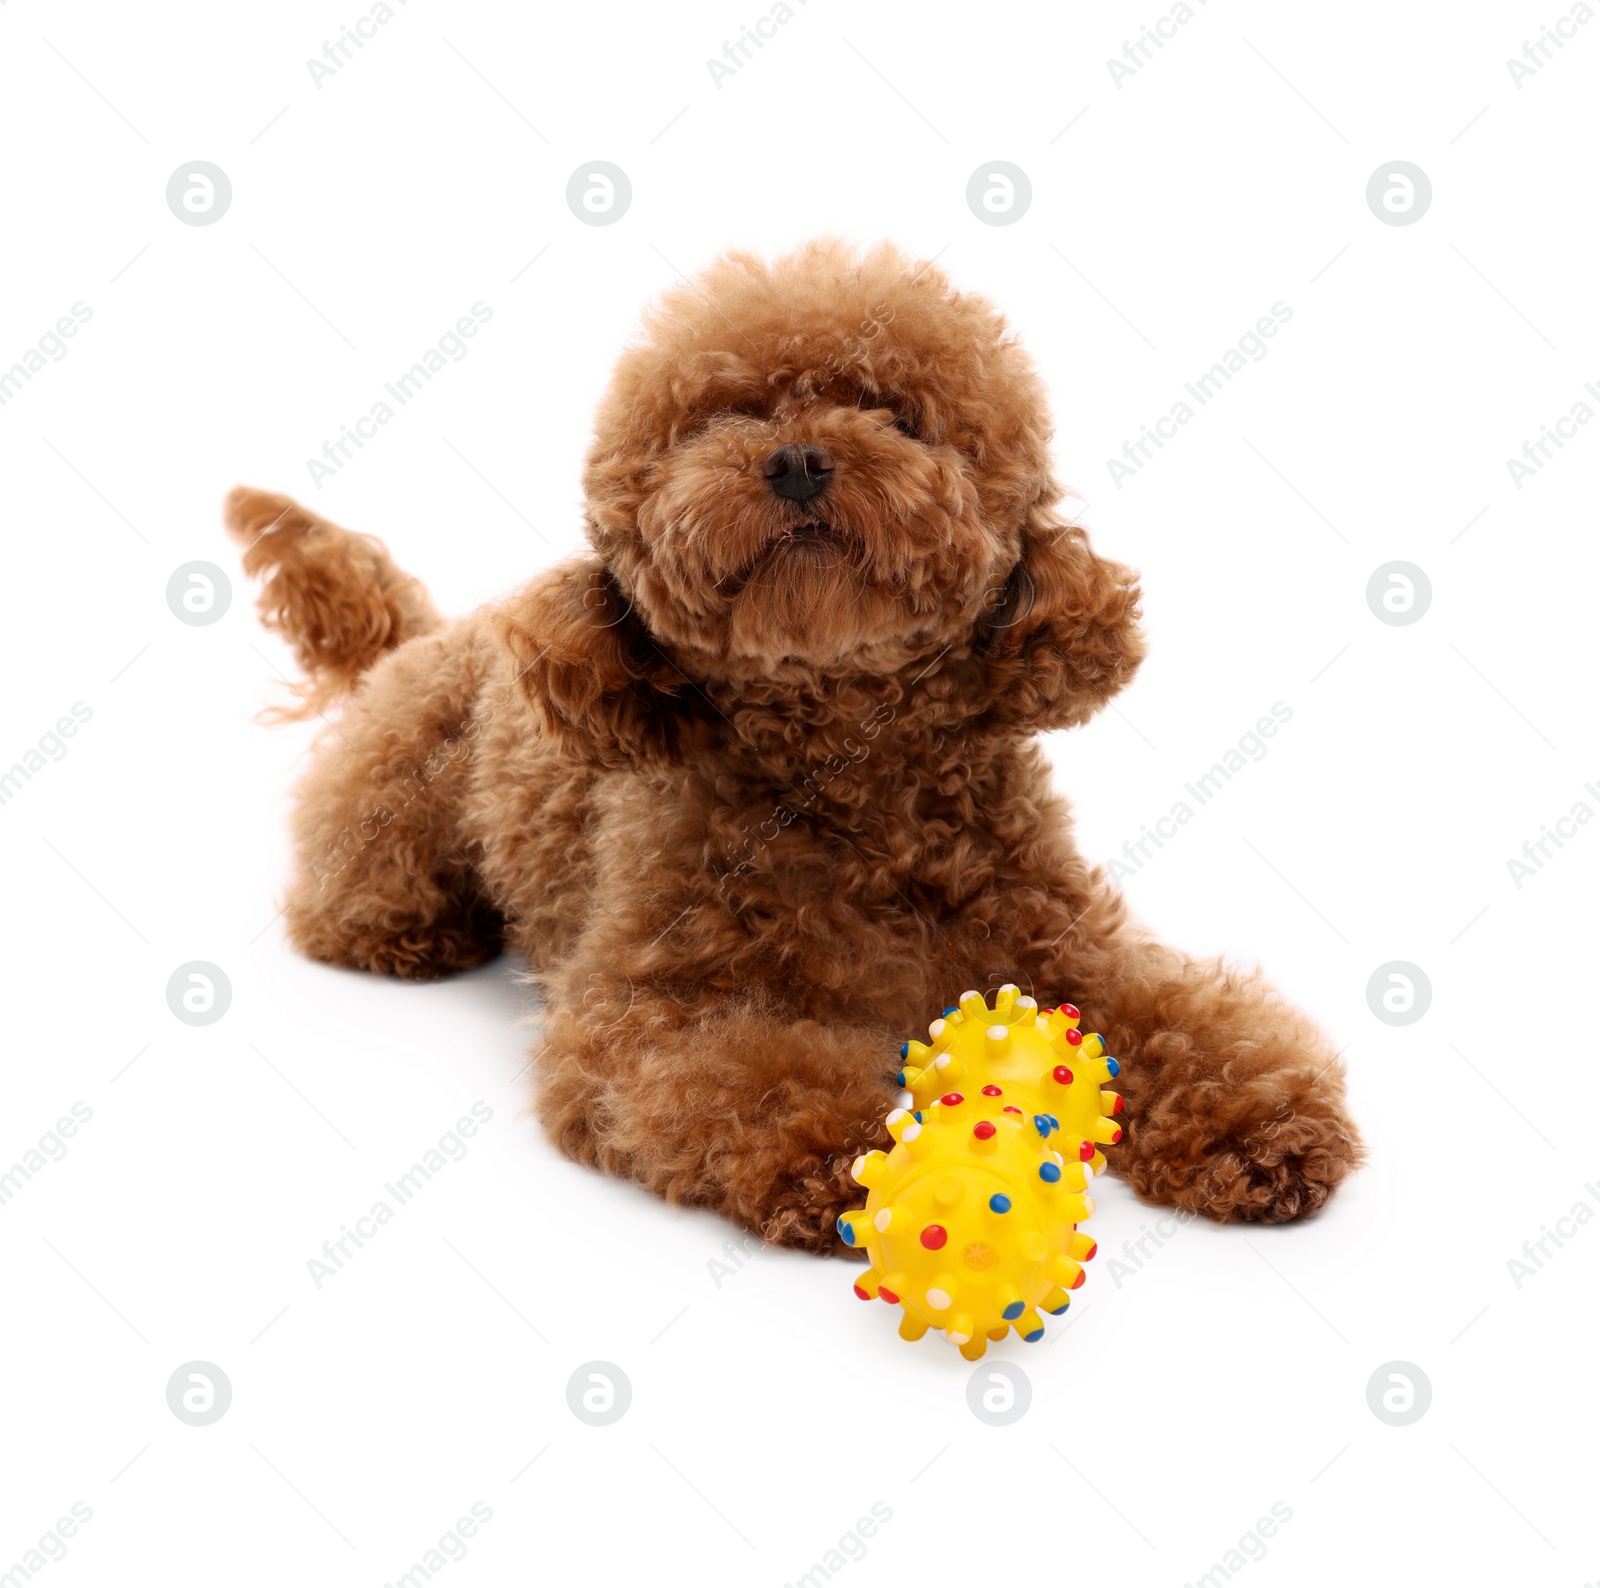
[{"x": 755, "y": 785}]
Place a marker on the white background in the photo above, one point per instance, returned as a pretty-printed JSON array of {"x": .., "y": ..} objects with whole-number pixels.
[{"x": 769, "y": 1411}]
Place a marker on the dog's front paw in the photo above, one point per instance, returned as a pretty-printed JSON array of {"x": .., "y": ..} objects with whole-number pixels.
[
  {"x": 1286, "y": 1169},
  {"x": 804, "y": 1211},
  {"x": 1271, "y": 1152},
  {"x": 1280, "y": 1166}
]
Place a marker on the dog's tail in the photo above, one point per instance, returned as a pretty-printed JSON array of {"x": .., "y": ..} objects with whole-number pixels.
[{"x": 335, "y": 596}]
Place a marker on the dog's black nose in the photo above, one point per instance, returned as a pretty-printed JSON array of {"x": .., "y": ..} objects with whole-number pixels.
[{"x": 797, "y": 473}]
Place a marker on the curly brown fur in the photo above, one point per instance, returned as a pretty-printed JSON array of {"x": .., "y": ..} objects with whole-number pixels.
[
  {"x": 755, "y": 785},
  {"x": 337, "y": 598}
]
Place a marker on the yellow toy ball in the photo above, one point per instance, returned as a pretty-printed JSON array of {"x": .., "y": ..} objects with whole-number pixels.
[{"x": 971, "y": 1222}]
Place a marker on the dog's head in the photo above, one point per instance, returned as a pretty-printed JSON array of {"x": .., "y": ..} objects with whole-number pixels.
[{"x": 835, "y": 464}]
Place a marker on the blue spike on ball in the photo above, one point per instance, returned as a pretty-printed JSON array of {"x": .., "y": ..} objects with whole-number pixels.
[
  {"x": 1050, "y": 1172},
  {"x": 1000, "y": 1203}
]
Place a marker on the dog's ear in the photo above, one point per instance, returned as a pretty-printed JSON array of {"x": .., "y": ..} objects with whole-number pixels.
[
  {"x": 1063, "y": 636},
  {"x": 589, "y": 668}
]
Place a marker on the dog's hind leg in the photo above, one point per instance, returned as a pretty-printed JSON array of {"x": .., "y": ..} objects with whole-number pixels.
[{"x": 387, "y": 878}]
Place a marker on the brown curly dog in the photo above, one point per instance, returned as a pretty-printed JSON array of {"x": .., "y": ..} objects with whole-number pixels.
[{"x": 755, "y": 786}]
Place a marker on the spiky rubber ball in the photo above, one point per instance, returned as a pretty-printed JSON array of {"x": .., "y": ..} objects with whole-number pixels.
[{"x": 971, "y": 1222}]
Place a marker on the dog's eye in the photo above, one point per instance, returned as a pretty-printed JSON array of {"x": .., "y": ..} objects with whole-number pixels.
[
  {"x": 734, "y": 408},
  {"x": 900, "y": 417}
]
